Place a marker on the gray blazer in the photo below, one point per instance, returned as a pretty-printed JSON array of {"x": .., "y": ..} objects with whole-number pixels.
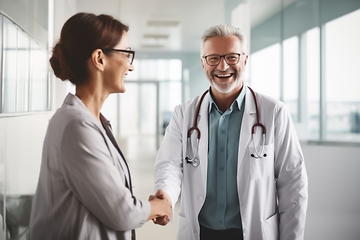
[{"x": 84, "y": 188}]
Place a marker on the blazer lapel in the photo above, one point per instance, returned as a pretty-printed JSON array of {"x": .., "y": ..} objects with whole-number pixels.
[{"x": 107, "y": 126}]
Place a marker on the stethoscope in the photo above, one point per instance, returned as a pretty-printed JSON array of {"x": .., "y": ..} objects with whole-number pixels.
[{"x": 195, "y": 161}]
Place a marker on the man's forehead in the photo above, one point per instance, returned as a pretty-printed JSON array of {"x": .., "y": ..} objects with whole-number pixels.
[{"x": 223, "y": 42}]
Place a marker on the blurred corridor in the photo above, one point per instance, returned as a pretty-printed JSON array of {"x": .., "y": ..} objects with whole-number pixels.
[{"x": 141, "y": 156}]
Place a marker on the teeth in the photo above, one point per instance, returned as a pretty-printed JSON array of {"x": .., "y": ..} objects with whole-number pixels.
[{"x": 225, "y": 75}]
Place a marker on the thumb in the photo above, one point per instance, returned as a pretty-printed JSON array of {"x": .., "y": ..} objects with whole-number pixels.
[{"x": 160, "y": 194}]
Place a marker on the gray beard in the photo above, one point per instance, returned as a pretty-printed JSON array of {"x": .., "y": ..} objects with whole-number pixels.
[{"x": 226, "y": 88}]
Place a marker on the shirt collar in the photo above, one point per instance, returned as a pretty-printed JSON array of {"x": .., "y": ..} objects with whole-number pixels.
[{"x": 238, "y": 102}]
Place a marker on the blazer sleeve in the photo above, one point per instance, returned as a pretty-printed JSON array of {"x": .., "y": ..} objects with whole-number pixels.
[{"x": 95, "y": 180}]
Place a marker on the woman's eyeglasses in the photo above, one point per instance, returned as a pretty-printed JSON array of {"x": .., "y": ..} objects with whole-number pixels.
[{"x": 131, "y": 53}]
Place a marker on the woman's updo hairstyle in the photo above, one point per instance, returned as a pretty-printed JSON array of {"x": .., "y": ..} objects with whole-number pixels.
[{"x": 80, "y": 36}]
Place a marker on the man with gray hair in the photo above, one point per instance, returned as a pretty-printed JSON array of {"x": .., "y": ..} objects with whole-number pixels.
[{"x": 234, "y": 154}]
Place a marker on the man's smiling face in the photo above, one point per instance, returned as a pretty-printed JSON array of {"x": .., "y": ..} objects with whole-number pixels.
[{"x": 224, "y": 78}]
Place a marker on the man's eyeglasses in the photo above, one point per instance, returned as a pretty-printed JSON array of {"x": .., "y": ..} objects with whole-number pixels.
[
  {"x": 230, "y": 58},
  {"x": 131, "y": 53}
]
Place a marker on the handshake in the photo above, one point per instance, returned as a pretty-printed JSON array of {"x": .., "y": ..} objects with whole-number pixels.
[{"x": 161, "y": 208}]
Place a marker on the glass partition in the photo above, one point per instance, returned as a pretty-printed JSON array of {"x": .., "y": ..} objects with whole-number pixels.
[
  {"x": 39, "y": 80},
  {"x": 24, "y": 80},
  {"x": 305, "y": 54},
  {"x": 9, "y": 78},
  {"x": 24, "y": 89}
]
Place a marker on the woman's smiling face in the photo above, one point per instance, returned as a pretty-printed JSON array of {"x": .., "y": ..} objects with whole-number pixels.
[{"x": 118, "y": 67}]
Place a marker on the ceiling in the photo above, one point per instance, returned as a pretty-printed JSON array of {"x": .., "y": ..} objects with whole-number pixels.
[{"x": 174, "y": 25}]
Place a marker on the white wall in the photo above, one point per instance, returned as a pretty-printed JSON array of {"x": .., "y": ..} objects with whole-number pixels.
[
  {"x": 63, "y": 10},
  {"x": 334, "y": 192},
  {"x": 21, "y": 141}
]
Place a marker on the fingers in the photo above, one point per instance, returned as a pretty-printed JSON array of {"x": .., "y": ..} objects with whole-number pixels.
[
  {"x": 162, "y": 220},
  {"x": 151, "y": 197},
  {"x": 160, "y": 194}
]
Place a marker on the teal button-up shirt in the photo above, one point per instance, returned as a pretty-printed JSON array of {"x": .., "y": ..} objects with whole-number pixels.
[{"x": 221, "y": 209}]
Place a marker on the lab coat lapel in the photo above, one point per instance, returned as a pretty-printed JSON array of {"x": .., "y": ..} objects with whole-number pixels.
[
  {"x": 249, "y": 119},
  {"x": 203, "y": 145}
]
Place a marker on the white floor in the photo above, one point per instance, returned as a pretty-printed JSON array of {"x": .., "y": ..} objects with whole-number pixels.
[{"x": 141, "y": 154}]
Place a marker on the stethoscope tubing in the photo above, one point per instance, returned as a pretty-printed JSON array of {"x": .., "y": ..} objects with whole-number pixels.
[
  {"x": 258, "y": 124},
  {"x": 195, "y": 162}
]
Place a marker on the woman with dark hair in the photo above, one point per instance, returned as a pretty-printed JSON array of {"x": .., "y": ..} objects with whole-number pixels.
[{"x": 84, "y": 189}]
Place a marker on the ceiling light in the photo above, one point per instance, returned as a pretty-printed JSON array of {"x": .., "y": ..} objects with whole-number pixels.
[
  {"x": 156, "y": 36},
  {"x": 165, "y": 23},
  {"x": 152, "y": 46}
]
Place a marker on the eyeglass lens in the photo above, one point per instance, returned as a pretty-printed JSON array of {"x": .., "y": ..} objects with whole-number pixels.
[
  {"x": 231, "y": 59},
  {"x": 131, "y": 57}
]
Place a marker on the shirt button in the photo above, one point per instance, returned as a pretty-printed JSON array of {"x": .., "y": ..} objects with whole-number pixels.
[
  {"x": 200, "y": 198},
  {"x": 222, "y": 149},
  {"x": 222, "y": 169},
  {"x": 222, "y": 131},
  {"x": 195, "y": 234},
  {"x": 221, "y": 222},
  {"x": 221, "y": 205}
]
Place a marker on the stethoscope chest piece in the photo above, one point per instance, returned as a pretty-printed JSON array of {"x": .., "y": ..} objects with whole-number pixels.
[{"x": 196, "y": 162}]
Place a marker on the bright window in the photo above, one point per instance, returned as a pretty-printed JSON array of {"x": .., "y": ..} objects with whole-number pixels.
[
  {"x": 156, "y": 70},
  {"x": 312, "y": 78},
  {"x": 291, "y": 76},
  {"x": 264, "y": 71},
  {"x": 342, "y": 74}
]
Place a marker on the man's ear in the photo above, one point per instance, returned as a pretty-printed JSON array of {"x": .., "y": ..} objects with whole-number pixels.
[
  {"x": 246, "y": 59},
  {"x": 98, "y": 59},
  {"x": 202, "y": 62}
]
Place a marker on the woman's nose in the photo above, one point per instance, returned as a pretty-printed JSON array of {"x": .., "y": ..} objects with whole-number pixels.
[{"x": 131, "y": 67}]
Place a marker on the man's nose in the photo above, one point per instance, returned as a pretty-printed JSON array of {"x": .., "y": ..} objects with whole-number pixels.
[{"x": 222, "y": 64}]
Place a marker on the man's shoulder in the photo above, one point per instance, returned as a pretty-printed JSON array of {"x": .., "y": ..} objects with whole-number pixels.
[{"x": 267, "y": 99}]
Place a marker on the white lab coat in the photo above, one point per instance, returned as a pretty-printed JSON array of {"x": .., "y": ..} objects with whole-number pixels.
[{"x": 273, "y": 191}]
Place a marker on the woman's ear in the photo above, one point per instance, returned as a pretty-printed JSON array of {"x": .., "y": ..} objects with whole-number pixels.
[{"x": 98, "y": 59}]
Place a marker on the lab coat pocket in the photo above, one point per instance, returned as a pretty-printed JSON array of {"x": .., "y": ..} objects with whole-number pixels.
[
  {"x": 270, "y": 228},
  {"x": 183, "y": 226},
  {"x": 261, "y": 167}
]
